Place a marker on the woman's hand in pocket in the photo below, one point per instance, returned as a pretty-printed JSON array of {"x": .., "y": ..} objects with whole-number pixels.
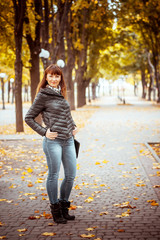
[{"x": 51, "y": 135}]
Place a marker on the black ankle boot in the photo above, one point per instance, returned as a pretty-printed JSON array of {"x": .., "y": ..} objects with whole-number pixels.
[
  {"x": 57, "y": 213},
  {"x": 65, "y": 208}
]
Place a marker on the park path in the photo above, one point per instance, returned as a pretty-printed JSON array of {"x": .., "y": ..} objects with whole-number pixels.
[{"x": 116, "y": 175}]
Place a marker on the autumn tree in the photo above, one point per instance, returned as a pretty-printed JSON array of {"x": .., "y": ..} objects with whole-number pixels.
[
  {"x": 91, "y": 20},
  {"x": 19, "y": 14},
  {"x": 144, "y": 18},
  {"x": 32, "y": 33}
]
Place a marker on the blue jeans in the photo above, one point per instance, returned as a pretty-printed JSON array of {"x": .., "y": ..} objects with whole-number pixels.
[{"x": 57, "y": 151}]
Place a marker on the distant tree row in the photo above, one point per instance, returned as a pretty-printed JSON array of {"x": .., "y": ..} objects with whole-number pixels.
[{"x": 136, "y": 47}]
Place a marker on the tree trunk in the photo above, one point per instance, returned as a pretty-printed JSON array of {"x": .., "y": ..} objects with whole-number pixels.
[
  {"x": 34, "y": 47},
  {"x": 151, "y": 70},
  {"x": 70, "y": 63},
  {"x": 13, "y": 92},
  {"x": 157, "y": 77},
  {"x": 19, "y": 13},
  {"x": 18, "y": 89},
  {"x": 2, "y": 87},
  {"x": 150, "y": 89},
  {"x": 89, "y": 94},
  {"x": 70, "y": 85},
  {"x": 34, "y": 73},
  {"x": 9, "y": 90},
  {"x": 70, "y": 96},
  {"x": 144, "y": 84},
  {"x": 82, "y": 63},
  {"x": 93, "y": 91},
  {"x": 63, "y": 9},
  {"x": 81, "y": 96}
]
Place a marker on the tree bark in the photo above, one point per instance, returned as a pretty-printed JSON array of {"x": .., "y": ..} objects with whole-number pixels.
[
  {"x": 9, "y": 90},
  {"x": 62, "y": 18},
  {"x": 19, "y": 13},
  {"x": 150, "y": 89},
  {"x": 45, "y": 30},
  {"x": 35, "y": 76},
  {"x": 93, "y": 91},
  {"x": 34, "y": 47},
  {"x": 2, "y": 87},
  {"x": 70, "y": 88},
  {"x": 82, "y": 63},
  {"x": 151, "y": 70},
  {"x": 18, "y": 87},
  {"x": 81, "y": 97},
  {"x": 70, "y": 61},
  {"x": 144, "y": 84},
  {"x": 156, "y": 74}
]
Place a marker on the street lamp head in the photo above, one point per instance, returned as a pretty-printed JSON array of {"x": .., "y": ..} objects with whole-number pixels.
[
  {"x": 55, "y": 8},
  {"x": 61, "y": 63},
  {"x": 44, "y": 53},
  {"x": 12, "y": 80},
  {"x": 2, "y": 75}
]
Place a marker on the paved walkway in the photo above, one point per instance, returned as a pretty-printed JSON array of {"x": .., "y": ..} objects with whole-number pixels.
[{"x": 114, "y": 191}]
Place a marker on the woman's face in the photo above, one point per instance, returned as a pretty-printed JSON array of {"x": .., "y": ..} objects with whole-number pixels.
[{"x": 53, "y": 79}]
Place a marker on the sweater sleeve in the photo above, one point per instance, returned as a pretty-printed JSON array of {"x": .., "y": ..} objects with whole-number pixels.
[{"x": 36, "y": 108}]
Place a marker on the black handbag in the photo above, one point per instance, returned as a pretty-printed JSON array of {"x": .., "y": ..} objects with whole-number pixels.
[{"x": 77, "y": 146}]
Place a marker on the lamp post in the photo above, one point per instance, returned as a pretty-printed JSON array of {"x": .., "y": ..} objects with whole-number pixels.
[
  {"x": 12, "y": 88},
  {"x": 44, "y": 54},
  {"x": 2, "y": 76}
]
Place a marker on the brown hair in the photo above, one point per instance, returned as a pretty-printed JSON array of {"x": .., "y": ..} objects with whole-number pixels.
[{"x": 53, "y": 69}]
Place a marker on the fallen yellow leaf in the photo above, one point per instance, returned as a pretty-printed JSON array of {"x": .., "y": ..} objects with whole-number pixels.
[
  {"x": 33, "y": 198},
  {"x": 73, "y": 207},
  {"x": 34, "y": 217},
  {"x": 27, "y": 194},
  {"x": 78, "y": 166},
  {"x": 153, "y": 202},
  {"x": 90, "y": 199},
  {"x": 50, "y": 224},
  {"x": 120, "y": 230},
  {"x": 87, "y": 236},
  {"x": 103, "y": 213},
  {"x": 105, "y": 161},
  {"x": 29, "y": 170},
  {"x": 77, "y": 187},
  {"x": 103, "y": 185},
  {"x": 22, "y": 230},
  {"x": 97, "y": 163},
  {"x": 12, "y": 186},
  {"x": 30, "y": 185},
  {"x": 89, "y": 229},
  {"x": 48, "y": 234}
]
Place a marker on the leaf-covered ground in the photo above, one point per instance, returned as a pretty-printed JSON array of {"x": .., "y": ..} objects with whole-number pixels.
[
  {"x": 116, "y": 191},
  {"x": 80, "y": 116},
  {"x": 156, "y": 148}
]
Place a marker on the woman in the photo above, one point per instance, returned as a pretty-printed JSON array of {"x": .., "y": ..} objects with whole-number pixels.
[{"x": 58, "y": 142}]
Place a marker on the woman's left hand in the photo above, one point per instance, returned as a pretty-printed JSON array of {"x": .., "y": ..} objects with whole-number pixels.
[{"x": 74, "y": 132}]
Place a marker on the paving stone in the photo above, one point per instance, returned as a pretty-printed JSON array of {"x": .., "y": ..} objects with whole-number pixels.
[{"x": 114, "y": 134}]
